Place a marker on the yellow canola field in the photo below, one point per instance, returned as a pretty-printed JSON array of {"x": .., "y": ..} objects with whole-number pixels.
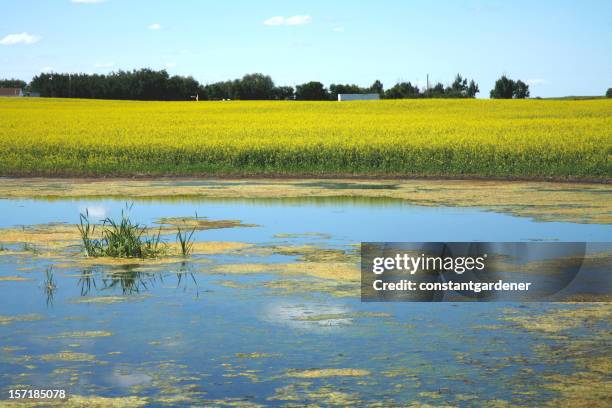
[{"x": 436, "y": 137}]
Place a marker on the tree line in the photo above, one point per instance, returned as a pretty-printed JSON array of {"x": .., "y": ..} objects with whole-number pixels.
[
  {"x": 13, "y": 83},
  {"x": 149, "y": 84}
]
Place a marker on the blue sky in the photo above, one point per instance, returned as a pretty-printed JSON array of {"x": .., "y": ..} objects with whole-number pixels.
[{"x": 559, "y": 47}]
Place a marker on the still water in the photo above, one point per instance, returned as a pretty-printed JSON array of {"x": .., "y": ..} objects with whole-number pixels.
[{"x": 191, "y": 333}]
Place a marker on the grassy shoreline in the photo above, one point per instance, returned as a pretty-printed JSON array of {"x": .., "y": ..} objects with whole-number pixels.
[{"x": 457, "y": 139}]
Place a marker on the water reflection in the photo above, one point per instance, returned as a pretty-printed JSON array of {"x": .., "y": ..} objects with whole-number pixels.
[
  {"x": 86, "y": 281},
  {"x": 129, "y": 280},
  {"x": 49, "y": 285}
]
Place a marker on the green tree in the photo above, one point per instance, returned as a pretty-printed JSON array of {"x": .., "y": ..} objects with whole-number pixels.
[
  {"x": 609, "y": 93},
  {"x": 437, "y": 91},
  {"x": 221, "y": 90},
  {"x": 255, "y": 87},
  {"x": 459, "y": 87},
  {"x": 181, "y": 88},
  {"x": 377, "y": 87},
  {"x": 402, "y": 90},
  {"x": 283, "y": 93},
  {"x": 472, "y": 89},
  {"x": 521, "y": 90},
  {"x": 311, "y": 91},
  {"x": 504, "y": 88},
  {"x": 335, "y": 89},
  {"x": 12, "y": 83}
]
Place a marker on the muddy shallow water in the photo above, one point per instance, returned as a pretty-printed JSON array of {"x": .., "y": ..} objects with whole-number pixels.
[{"x": 267, "y": 310}]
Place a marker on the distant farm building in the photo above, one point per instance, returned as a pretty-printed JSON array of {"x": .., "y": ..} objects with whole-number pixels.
[
  {"x": 358, "y": 97},
  {"x": 11, "y": 92}
]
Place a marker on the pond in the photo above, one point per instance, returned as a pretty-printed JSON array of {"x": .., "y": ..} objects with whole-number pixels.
[{"x": 266, "y": 310}]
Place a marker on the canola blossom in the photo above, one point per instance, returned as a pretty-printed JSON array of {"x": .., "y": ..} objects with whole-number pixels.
[{"x": 406, "y": 138}]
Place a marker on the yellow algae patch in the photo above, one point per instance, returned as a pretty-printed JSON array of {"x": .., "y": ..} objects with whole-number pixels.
[
  {"x": 254, "y": 355},
  {"x": 306, "y": 253},
  {"x": 588, "y": 383},
  {"x": 581, "y": 389},
  {"x": 499, "y": 403},
  {"x": 78, "y": 401},
  {"x": 250, "y": 374},
  {"x": 175, "y": 400},
  {"x": 288, "y": 392},
  {"x": 340, "y": 271},
  {"x": 55, "y": 235},
  {"x": 110, "y": 261},
  {"x": 301, "y": 395},
  {"x": 82, "y": 334},
  {"x": 14, "y": 279},
  {"x": 559, "y": 320},
  {"x": 334, "y": 288},
  {"x": 328, "y": 372},
  {"x": 200, "y": 223},
  {"x": 243, "y": 268},
  {"x": 337, "y": 271},
  {"x": 589, "y": 297},
  {"x": 601, "y": 365},
  {"x": 430, "y": 394},
  {"x": 68, "y": 356},
  {"x": 233, "y": 284},
  {"x": 103, "y": 402},
  {"x": 548, "y": 201},
  {"x": 10, "y": 349},
  {"x": 232, "y": 402},
  {"x": 19, "y": 318},
  {"x": 107, "y": 299},
  {"x": 465, "y": 397},
  {"x": 213, "y": 248},
  {"x": 329, "y": 396}
]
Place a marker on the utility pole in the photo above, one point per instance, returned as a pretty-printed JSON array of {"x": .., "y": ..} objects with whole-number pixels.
[{"x": 427, "y": 82}]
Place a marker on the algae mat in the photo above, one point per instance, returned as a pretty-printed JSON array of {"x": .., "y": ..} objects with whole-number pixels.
[{"x": 583, "y": 203}]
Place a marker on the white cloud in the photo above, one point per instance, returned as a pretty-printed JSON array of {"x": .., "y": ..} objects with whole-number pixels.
[
  {"x": 154, "y": 26},
  {"x": 104, "y": 64},
  {"x": 171, "y": 65},
  {"x": 297, "y": 20},
  {"x": 536, "y": 81},
  {"x": 274, "y": 21},
  {"x": 87, "y": 1},
  {"x": 20, "y": 38},
  {"x": 46, "y": 69},
  {"x": 290, "y": 21},
  {"x": 338, "y": 29}
]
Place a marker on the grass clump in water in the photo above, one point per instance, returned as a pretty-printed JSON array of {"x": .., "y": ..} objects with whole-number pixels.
[
  {"x": 120, "y": 239},
  {"x": 185, "y": 240}
]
